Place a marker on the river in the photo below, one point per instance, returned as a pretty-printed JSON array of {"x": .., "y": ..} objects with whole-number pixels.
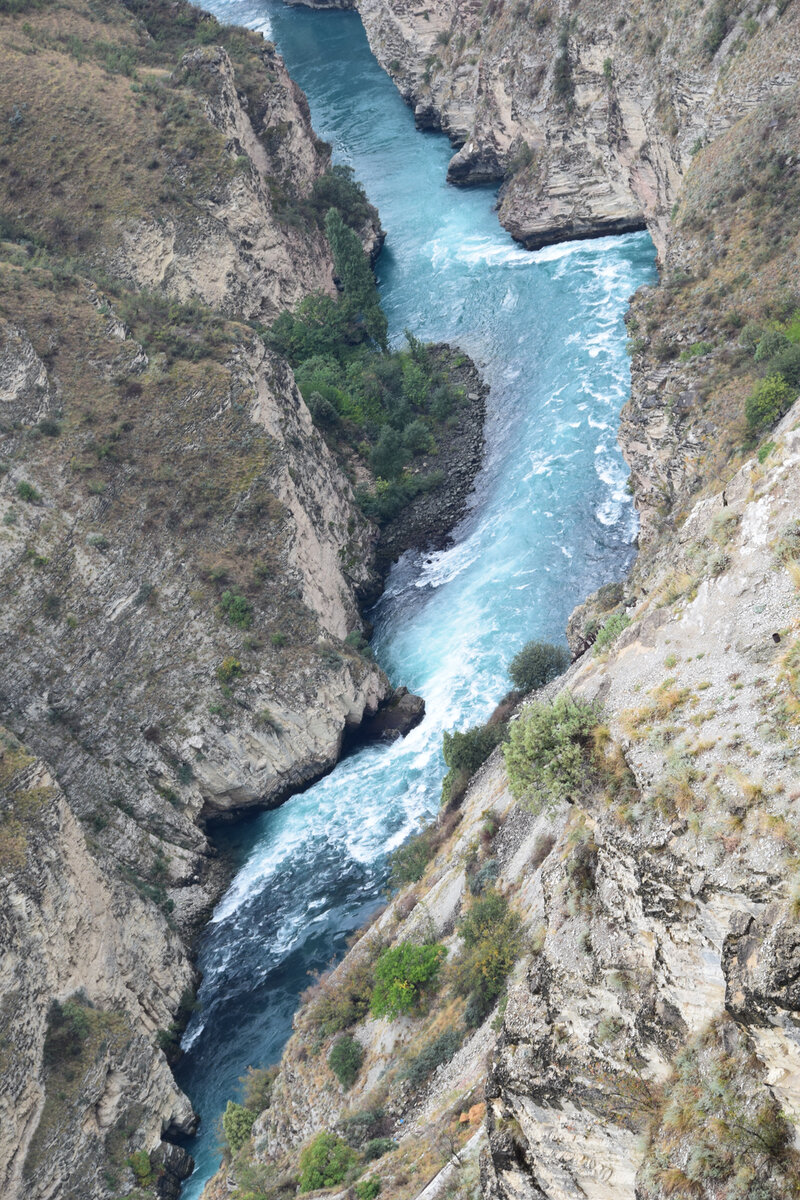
[{"x": 550, "y": 520}]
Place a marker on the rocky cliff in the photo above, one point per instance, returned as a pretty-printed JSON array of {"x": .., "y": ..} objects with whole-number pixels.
[
  {"x": 616, "y": 1016},
  {"x": 614, "y": 896},
  {"x": 181, "y": 555}
]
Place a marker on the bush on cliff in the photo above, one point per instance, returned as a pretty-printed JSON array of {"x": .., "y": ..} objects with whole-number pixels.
[
  {"x": 440, "y": 1050},
  {"x": 345, "y": 1060},
  {"x": 325, "y": 1162},
  {"x": 408, "y": 863},
  {"x": 337, "y": 1003},
  {"x": 491, "y": 934},
  {"x": 536, "y": 664},
  {"x": 339, "y": 189},
  {"x": 770, "y": 400},
  {"x": 402, "y": 975},
  {"x": 464, "y": 751},
  {"x": 548, "y": 751},
  {"x": 237, "y": 1122}
]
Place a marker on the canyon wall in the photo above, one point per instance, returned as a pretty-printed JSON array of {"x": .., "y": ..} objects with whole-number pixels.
[{"x": 642, "y": 921}]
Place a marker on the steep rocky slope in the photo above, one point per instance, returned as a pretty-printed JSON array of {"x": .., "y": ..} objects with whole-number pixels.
[
  {"x": 633, "y": 921},
  {"x": 635, "y": 913},
  {"x": 603, "y": 117},
  {"x": 182, "y": 557}
]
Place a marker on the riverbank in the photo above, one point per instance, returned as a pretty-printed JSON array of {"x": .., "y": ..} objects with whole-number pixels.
[{"x": 428, "y": 521}]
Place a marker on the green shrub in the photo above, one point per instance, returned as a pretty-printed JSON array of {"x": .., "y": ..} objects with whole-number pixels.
[
  {"x": 610, "y": 631},
  {"x": 26, "y": 491},
  {"x": 547, "y": 753},
  {"x": 68, "y": 1028},
  {"x": 787, "y": 365},
  {"x": 468, "y": 749},
  {"x": 771, "y": 342},
  {"x": 237, "y": 609},
  {"x": 237, "y": 1122},
  {"x": 464, "y": 751},
  {"x": 367, "y": 1189},
  {"x": 345, "y": 1060},
  {"x": 409, "y": 861},
  {"x": 376, "y": 1148},
  {"x": 278, "y": 640},
  {"x": 438, "y": 1051},
  {"x": 364, "y": 1127},
  {"x": 229, "y": 669},
  {"x": 325, "y": 1162},
  {"x": 139, "y": 1163},
  {"x": 771, "y": 399},
  {"x": 491, "y": 934},
  {"x": 536, "y": 664},
  {"x": 402, "y": 974}
]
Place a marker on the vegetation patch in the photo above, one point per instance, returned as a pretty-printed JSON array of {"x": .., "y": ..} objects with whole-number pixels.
[
  {"x": 536, "y": 664},
  {"x": 345, "y": 1060},
  {"x": 549, "y": 750},
  {"x": 385, "y": 407},
  {"x": 325, "y": 1162},
  {"x": 492, "y": 940},
  {"x": 403, "y": 974},
  {"x": 464, "y": 751}
]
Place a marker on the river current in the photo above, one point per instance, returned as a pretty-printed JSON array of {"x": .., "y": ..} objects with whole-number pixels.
[{"x": 550, "y": 520}]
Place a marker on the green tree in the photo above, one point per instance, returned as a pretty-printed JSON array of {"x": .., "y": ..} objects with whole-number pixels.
[
  {"x": 771, "y": 399},
  {"x": 536, "y": 664},
  {"x": 402, "y": 973},
  {"x": 546, "y": 754},
  {"x": 237, "y": 1122},
  {"x": 325, "y": 1162}
]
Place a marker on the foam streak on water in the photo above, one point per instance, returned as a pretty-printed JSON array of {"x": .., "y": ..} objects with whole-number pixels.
[{"x": 549, "y": 521}]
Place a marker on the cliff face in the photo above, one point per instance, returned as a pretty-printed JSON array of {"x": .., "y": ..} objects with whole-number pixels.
[
  {"x": 589, "y": 112},
  {"x": 604, "y": 117},
  {"x": 645, "y": 919},
  {"x": 75, "y": 1077},
  {"x": 181, "y": 556}
]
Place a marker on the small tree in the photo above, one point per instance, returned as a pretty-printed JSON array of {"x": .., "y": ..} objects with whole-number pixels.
[
  {"x": 546, "y": 752},
  {"x": 345, "y": 1060},
  {"x": 237, "y": 1122},
  {"x": 325, "y": 1162},
  {"x": 402, "y": 973},
  {"x": 536, "y": 664},
  {"x": 771, "y": 399}
]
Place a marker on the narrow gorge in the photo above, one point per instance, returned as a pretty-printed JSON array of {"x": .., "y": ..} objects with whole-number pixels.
[{"x": 216, "y": 434}]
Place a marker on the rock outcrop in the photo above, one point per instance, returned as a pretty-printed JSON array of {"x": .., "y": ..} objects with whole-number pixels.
[
  {"x": 645, "y": 1041},
  {"x": 90, "y": 973},
  {"x": 590, "y": 114}
]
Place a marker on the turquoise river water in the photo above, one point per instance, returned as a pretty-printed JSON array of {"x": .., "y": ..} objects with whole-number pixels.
[{"x": 550, "y": 520}]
